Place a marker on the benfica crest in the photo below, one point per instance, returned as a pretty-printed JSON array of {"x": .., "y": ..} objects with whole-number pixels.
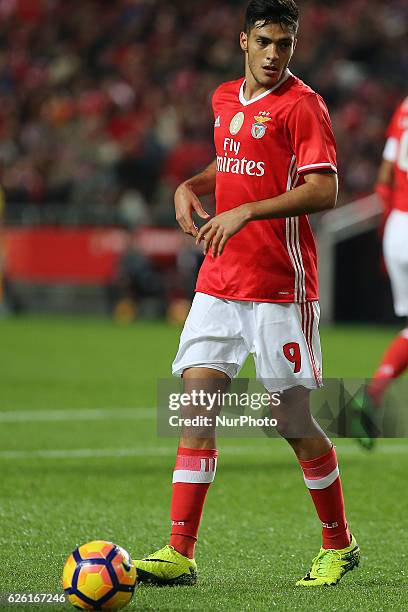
[{"x": 259, "y": 128}]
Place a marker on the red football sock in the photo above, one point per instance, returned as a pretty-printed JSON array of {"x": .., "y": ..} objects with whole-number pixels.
[
  {"x": 192, "y": 476},
  {"x": 323, "y": 481},
  {"x": 393, "y": 364}
]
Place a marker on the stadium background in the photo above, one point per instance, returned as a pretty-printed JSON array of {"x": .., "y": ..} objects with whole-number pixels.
[{"x": 104, "y": 109}]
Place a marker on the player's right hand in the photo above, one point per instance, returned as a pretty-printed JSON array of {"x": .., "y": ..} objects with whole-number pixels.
[{"x": 186, "y": 202}]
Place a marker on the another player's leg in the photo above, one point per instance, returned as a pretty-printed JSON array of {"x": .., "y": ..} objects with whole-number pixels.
[
  {"x": 368, "y": 403},
  {"x": 317, "y": 458},
  {"x": 194, "y": 472},
  {"x": 393, "y": 364}
]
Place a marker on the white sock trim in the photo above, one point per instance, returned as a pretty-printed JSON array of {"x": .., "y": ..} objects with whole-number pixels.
[
  {"x": 190, "y": 476},
  {"x": 205, "y": 475},
  {"x": 323, "y": 483}
]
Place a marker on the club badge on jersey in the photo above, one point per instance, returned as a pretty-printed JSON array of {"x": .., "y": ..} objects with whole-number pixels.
[{"x": 259, "y": 128}]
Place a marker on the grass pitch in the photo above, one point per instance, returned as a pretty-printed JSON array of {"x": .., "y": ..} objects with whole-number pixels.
[{"x": 80, "y": 460}]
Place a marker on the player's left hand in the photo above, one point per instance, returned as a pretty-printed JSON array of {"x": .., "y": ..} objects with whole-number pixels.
[{"x": 221, "y": 228}]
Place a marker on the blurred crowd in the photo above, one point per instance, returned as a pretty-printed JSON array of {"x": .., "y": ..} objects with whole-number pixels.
[{"x": 106, "y": 104}]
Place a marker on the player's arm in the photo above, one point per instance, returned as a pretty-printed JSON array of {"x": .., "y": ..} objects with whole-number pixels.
[
  {"x": 318, "y": 193},
  {"x": 385, "y": 180},
  {"x": 385, "y": 185},
  {"x": 186, "y": 198}
]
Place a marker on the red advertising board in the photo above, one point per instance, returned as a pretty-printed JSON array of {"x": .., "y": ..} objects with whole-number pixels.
[{"x": 81, "y": 255}]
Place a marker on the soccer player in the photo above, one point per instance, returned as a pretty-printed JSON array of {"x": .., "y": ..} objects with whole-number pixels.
[
  {"x": 257, "y": 288},
  {"x": 392, "y": 188}
]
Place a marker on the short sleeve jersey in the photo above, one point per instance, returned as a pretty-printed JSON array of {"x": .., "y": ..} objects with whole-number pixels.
[
  {"x": 264, "y": 147},
  {"x": 396, "y": 151}
]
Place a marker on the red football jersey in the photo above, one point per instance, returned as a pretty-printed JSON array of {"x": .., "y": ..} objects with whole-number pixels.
[
  {"x": 396, "y": 150},
  {"x": 264, "y": 146}
]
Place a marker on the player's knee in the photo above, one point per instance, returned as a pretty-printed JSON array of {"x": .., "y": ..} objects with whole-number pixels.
[
  {"x": 286, "y": 429},
  {"x": 294, "y": 425}
]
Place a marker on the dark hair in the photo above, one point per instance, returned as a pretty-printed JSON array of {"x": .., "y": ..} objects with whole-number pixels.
[{"x": 284, "y": 12}]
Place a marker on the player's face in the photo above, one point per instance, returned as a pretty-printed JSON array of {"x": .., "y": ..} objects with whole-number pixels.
[{"x": 269, "y": 49}]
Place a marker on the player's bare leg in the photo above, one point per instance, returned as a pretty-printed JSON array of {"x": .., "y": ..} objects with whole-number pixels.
[
  {"x": 209, "y": 381},
  {"x": 297, "y": 425},
  {"x": 194, "y": 472},
  {"x": 317, "y": 458}
]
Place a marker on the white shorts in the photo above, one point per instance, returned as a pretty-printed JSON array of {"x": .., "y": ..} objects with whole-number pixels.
[
  {"x": 284, "y": 339},
  {"x": 396, "y": 258}
]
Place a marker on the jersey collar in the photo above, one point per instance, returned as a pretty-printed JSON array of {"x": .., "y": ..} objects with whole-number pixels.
[{"x": 245, "y": 102}]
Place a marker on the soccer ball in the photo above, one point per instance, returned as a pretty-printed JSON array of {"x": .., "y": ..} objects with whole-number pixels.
[{"x": 99, "y": 576}]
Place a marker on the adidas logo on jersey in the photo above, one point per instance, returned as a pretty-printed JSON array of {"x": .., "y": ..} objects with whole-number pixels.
[{"x": 217, "y": 122}]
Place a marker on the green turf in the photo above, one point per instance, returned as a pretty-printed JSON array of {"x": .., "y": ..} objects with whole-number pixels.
[{"x": 259, "y": 529}]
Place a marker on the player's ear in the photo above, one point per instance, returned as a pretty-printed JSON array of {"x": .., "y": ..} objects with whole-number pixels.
[
  {"x": 295, "y": 43},
  {"x": 243, "y": 41}
]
